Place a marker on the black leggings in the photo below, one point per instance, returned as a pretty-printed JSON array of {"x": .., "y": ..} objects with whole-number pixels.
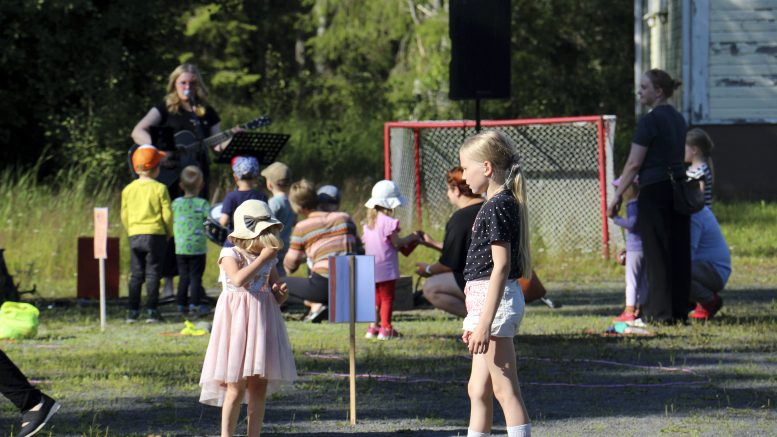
[
  {"x": 146, "y": 255},
  {"x": 190, "y": 269},
  {"x": 666, "y": 243},
  {"x": 315, "y": 289},
  {"x": 14, "y": 385}
]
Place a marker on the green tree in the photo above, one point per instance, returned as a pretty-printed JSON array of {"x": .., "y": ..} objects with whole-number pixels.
[
  {"x": 329, "y": 72},
  {"x": 75, "y": 72}
]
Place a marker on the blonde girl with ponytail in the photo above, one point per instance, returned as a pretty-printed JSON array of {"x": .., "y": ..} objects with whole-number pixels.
[{"x": 498, "y": 256}]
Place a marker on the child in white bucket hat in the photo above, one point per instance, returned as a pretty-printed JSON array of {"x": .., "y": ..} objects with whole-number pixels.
[
  {"x": 249, "y": 354},
  {"x": 381, "y": 240}
]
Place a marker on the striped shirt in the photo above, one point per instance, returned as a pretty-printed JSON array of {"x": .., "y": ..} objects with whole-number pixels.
[
  {"x": 321, "y": 235},
  {"x": 704, "y": 173}
]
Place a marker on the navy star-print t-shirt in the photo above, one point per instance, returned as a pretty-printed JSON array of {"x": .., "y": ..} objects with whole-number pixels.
[{"x": 497, "y": 220}]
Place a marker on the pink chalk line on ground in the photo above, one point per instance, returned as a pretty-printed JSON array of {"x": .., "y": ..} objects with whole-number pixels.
[{"x": 407, "y": 379}]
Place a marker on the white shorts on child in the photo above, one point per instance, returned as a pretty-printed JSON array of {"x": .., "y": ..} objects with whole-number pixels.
[{"x": 508, "y": 315}]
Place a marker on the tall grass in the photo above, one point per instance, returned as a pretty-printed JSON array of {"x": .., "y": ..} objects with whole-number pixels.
[{"x": 40, "y": 223}]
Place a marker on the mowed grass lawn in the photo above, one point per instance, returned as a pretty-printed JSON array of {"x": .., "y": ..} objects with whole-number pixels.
[{"x": 714, "y": 378}]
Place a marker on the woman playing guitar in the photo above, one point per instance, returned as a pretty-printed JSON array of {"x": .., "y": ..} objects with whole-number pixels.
[{"x": 184, "y": 109}]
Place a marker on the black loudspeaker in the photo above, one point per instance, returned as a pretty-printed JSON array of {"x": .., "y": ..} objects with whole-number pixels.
[{"x": 480, "y": 49}]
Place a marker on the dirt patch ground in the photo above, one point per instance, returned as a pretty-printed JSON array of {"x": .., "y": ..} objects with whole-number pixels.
[{"x": 713, "y": 379}]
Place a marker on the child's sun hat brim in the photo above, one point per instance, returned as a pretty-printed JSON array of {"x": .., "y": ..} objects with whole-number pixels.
[
  {"x": 252, "y": 218},
  {"x": 389, "y": 202},
  {"x": 385, "y": 194}
]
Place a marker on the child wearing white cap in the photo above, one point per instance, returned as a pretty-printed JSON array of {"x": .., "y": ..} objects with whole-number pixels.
[{"x": 381, "y": 240}]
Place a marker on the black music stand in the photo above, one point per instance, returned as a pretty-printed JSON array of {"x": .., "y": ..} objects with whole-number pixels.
[{"x": 264, "y": 146}]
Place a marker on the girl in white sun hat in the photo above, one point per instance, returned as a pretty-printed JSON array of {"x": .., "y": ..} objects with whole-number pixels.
[
  {"x": 381, "y": 240},
  {"x": 249, "y": 354}
]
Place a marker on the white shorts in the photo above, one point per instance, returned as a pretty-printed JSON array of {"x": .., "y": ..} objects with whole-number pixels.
[{"x": 508, "y": 315}]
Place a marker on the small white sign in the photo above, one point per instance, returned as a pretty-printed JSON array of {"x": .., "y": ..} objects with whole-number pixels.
[
  {"x": 101, "y": 233},
  {"x": 339, "y": 288}
]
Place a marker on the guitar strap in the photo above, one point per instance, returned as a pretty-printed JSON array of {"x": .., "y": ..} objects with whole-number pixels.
[
  {"x": 198, "y": 125},
  {"x": 199, "y": 130}
]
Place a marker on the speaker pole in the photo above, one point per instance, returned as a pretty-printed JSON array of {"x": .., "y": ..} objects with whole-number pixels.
[{"x": 477, "y": 115}]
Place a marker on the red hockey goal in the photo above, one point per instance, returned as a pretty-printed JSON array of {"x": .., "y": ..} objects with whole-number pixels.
[{"x": 568, "y": 164}]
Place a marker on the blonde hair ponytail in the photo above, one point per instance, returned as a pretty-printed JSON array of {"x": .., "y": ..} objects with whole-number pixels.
[
  {"x": 372, "y": 215},
  {"x": 518, "y": 187},
  {"x": 497, "y": 148}
]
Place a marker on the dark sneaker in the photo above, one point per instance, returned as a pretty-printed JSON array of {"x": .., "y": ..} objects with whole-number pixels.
[
  {"x": 133, "y": 316},
  {"x": 153, "y": 316},
  {"x": 203, "y": 310},
  {"x": 35, "y": 418}
]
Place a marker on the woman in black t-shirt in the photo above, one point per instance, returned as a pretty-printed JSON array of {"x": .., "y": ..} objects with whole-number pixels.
[
  {"x": 444, "y": 287},
  {"x": 185, "y": 108},
  {"x": 657, "y": 153}
]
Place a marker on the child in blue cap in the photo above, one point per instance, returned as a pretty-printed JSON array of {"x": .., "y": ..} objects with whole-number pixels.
[{"x": 245, "y": 171}]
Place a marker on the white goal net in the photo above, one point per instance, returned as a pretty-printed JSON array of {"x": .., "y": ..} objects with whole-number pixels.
[{"x": 568, "y": 166}]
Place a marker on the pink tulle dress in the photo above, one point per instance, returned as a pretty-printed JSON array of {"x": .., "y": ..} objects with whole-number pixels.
[{"x": 248, "y": 337}]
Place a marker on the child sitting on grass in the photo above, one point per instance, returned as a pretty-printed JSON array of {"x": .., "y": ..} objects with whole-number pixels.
[{"x": 278, "y": 181}]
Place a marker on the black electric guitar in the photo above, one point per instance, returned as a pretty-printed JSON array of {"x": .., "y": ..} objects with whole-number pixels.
[{"x": 187, "y": 146}]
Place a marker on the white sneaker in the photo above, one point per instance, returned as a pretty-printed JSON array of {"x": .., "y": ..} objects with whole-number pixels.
[{"x": 637, "y": 323}]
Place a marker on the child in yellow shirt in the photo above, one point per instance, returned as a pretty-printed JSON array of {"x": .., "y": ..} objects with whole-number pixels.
[{"x": 148, "y": 219}]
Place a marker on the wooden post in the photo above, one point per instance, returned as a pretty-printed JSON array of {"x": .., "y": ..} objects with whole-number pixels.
[
  {"x": 352, "y": 353},
  {"x": 103, "y": 313}
]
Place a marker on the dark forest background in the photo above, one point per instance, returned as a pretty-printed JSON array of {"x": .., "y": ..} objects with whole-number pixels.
[{"x": 77, "y": 75}]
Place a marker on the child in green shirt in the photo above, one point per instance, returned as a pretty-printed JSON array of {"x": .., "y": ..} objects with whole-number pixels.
[{"x": 189, "y": 214}]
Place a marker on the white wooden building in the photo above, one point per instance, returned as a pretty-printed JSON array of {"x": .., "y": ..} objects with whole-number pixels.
[{"x": 725, "y": 53}]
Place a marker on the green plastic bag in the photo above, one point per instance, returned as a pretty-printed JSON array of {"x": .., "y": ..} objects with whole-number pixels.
[{"x": 18, "y": 320}]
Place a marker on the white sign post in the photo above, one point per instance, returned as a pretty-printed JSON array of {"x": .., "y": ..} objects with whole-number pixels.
[
  {"x": 352, "y": 300},
  {"x": 101, "y": 253}
]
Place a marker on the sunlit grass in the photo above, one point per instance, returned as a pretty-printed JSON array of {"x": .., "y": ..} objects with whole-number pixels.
[{"x": 41, "y": 222}]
